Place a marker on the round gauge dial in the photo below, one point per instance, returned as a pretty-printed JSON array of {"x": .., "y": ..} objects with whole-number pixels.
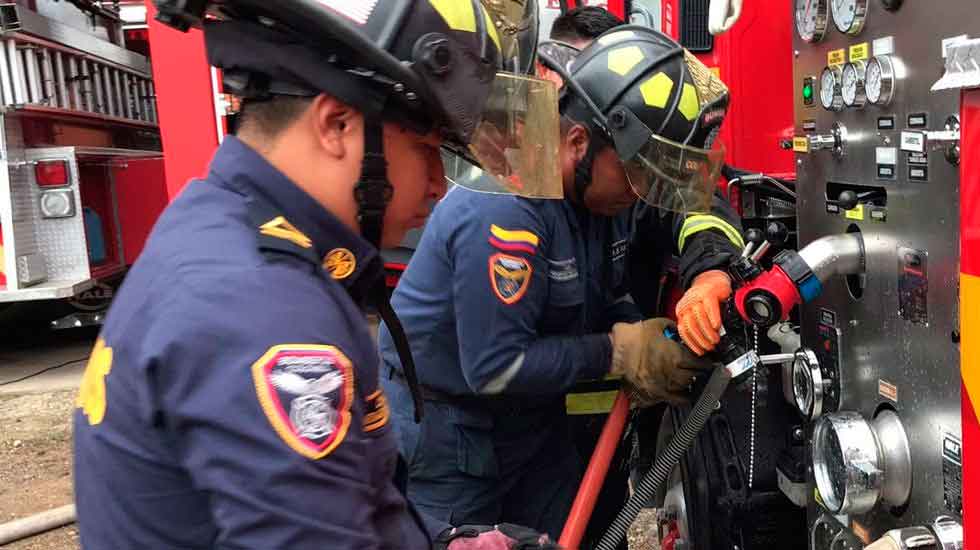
[
  {"x": 879, "y": 80},
  {"x": 808, "y": 384},
  {"x": 811, "y": 19},
  {"x": 830, "y": 89},
  {"x": 852, "y": 85},
  {"x": 849, "y": 15}
]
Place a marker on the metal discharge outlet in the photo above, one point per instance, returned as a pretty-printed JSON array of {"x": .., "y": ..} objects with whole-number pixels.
[{"x": 857, "y": 463}]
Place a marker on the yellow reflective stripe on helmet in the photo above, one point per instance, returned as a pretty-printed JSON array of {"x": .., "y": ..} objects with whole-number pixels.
[
  {"x": 458, "y": 14},
  {"x": 590, "y": 403},
  {"x": 703, "y": 222},
  {"x": 492, "y": 29}
]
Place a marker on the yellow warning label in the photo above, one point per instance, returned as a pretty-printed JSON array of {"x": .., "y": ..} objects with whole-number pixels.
[
  {"x": 837, "y": 57},
  {"x": 856, "y": 213},
  {"x": 801, "y": 144},
  {"x": 859, "y": 52}
]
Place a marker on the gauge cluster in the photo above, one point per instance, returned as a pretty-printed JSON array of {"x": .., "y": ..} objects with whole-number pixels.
[{"x": 877, "y": 153}]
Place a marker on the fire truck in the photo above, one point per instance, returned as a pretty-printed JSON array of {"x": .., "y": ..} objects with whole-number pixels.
[
  {"x": 853, "y": 144},
  {"x": 81, "y": 172}
]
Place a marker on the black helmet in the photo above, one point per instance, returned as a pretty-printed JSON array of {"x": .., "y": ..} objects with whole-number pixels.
[
  {"x": 426, "y": 64},
  {"x": 657, "y": 105},
  {"x": 518, "y": 23}
]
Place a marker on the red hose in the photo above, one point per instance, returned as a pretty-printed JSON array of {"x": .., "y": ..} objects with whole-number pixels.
[{"x": 595, "y": 475}]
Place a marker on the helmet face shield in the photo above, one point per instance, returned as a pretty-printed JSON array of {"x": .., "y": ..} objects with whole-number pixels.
[
  {"x": 558, "y": 53},
  {"x": 516, "y": 142},
  {"x": 675, "y": 177}
]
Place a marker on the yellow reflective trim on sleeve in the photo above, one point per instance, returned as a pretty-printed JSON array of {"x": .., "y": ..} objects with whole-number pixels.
[
  {"x": 590, "y": 403},
  {"x": 458, "y": 14},
  {"x": 703, "y": 222}
]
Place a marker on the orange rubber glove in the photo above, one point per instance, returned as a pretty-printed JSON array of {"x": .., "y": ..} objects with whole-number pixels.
[{"x": 699, "y": 311}]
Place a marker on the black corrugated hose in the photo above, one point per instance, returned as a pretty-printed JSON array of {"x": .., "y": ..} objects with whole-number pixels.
[{"x": 665, "y": 463}]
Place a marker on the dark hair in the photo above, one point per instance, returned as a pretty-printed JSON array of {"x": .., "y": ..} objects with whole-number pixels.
[
  {"x": 584, "y": 23},
  {"x": 269, "y": 117}
]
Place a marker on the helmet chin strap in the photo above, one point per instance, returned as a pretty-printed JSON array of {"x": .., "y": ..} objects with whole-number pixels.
[
  {"x": 583, "y": 172},
  {"x": 373, "y": 192}
]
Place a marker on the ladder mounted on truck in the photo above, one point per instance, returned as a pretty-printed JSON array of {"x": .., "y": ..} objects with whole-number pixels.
[
  {"x": 46, "y": 65},
  {"x": 81, "y": 174}
]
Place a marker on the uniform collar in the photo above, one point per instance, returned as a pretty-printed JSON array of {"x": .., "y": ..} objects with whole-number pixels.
[{"x": 291, "y": 210}]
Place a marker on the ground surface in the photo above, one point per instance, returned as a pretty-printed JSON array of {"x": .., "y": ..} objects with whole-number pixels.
[
  {"x": 35, "y": 430},
  {"x": 35, "y": 426}
]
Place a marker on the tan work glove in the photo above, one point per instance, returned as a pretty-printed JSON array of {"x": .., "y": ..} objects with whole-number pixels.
[{"x": 655, "y": 367}]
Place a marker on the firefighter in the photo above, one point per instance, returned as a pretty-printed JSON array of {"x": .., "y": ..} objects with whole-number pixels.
[
  {"x": 510, "y": 302},
  {"x": 580, "y": 26},
  {"x": 232, "y": 398}
]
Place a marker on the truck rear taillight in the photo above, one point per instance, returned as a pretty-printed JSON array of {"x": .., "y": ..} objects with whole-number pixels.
[
  {"x": 51, "y": 173},
  {"x": 58, "y": 203}
]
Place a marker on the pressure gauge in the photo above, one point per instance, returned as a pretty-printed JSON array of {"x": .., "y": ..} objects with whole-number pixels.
[
  {"x": 809, "y": 385},
  {"x": 849, "y": 15},
  {"x": 879, "y": 80},
  {"x": 830, "y": 89},
  {"x": 852, "y": 85},
  {"x": 811, "y": 19}
]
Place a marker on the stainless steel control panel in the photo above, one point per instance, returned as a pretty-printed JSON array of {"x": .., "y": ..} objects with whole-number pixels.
[{"x": 875, "y": 155}]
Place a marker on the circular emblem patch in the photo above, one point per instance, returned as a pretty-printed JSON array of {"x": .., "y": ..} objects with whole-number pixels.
[{"x": 340, "y": 263}]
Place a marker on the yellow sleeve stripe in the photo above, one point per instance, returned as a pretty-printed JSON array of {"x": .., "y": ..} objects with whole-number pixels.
[
  {"x": 514, "y": 236},
  {"x": 703, "y": 222}
]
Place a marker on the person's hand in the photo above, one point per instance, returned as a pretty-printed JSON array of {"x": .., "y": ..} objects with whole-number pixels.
[
  {"x": 655, "y": 367},
  {"x": 505, "y": 536},
  {"x": 699, "y": 311}
]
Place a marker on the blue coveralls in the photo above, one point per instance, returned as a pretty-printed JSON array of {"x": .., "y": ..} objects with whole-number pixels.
[
  {"x": 232, "y": 400},
  {"x": 506, "y": 303}
]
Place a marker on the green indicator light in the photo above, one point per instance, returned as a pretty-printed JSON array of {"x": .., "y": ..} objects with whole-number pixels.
[{"x": 807, "y": 91}]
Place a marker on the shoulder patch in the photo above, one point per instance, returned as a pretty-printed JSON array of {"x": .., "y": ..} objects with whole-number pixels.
[
  {"x": 513, "y": 240},
  {"x": 306, "y": 392},
  {"x": 510, "y": 276}
]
